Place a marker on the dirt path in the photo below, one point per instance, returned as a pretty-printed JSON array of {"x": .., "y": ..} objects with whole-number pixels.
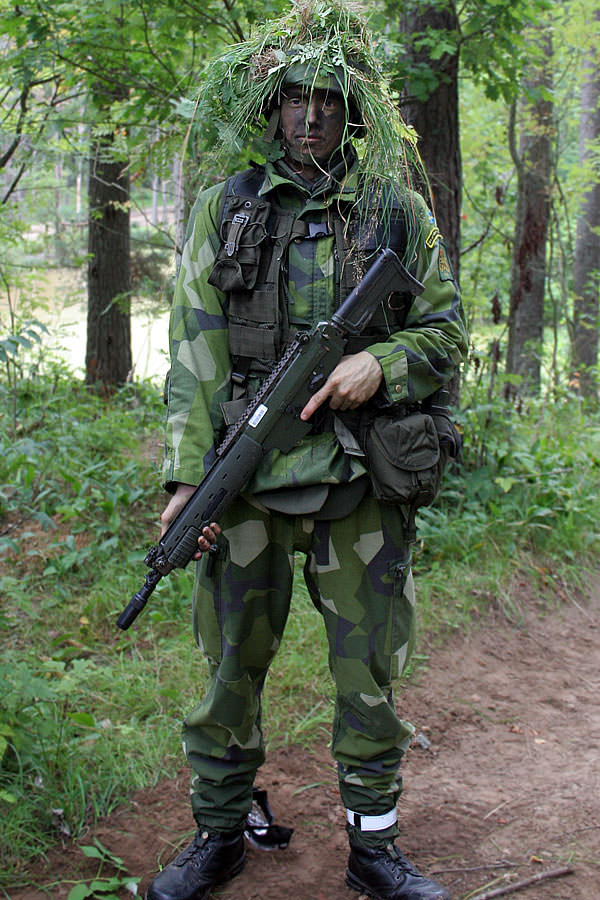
[{"x": 502, "y": 784}]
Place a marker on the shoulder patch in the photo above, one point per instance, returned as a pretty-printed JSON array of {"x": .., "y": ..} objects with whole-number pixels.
[
  {"x": 433, "y": 237},
  {"x": 444, "y": 267}
]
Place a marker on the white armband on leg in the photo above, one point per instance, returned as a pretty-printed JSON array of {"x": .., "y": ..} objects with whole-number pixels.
[{"x": 372, "y": 823}]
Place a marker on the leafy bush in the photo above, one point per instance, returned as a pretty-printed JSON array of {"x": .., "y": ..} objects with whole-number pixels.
[
  {"x": 78, "y": 499},
  {"x": 73, "y": 458},
  {"x": 529, "y": 479},
  {"x": 67, "y": 730}
]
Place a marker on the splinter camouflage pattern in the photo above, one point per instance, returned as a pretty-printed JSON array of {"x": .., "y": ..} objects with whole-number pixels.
[
  {"x": 358, "y": 567},
  {"x": 358, "y": 574},
  {"x": 415, "y": 361}
]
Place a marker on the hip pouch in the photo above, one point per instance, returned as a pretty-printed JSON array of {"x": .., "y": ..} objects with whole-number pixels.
[{"x": 406, "y": 456}]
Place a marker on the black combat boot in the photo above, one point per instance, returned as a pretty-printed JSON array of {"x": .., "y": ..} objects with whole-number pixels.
[
  {"x": 210, "y": 859},
  {"x": 386, "y": 874}
]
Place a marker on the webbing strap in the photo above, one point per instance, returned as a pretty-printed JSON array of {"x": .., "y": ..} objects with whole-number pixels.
[
  {"x": 259, "y": 323},
  {"x": 238, "y": 223},
  {"x": 347, "y": 271},
  {"x": 272, "y": 126}
]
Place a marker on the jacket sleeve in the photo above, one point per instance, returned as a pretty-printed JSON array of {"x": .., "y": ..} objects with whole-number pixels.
[
  {"x": 200, "y": 361},
  {"x": 433, "y": 342}
]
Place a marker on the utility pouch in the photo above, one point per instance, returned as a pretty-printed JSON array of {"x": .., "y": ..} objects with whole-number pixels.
[
  {"x": 406, "y": 456},
  {"x": 243, "y": 230},
  {"x": 449, "y": 436}
]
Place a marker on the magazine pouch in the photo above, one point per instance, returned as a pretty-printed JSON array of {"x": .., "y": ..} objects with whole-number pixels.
[{"x": 243, "y": 230}]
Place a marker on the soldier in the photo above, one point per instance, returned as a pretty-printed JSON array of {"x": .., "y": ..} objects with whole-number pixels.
[{"x": 271, "y": 252}]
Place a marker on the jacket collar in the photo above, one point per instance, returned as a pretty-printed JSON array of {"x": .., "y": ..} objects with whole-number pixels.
[{"x": 340, "y": 181}]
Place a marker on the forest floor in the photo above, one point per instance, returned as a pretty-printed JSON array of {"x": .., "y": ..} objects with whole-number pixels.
[{"x": 502, "y": 783}]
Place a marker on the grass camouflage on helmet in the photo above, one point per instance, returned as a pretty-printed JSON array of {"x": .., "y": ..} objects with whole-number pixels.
[{"x": 321, "y": 43}]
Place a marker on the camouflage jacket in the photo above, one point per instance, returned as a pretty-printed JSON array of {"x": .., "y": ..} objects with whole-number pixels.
[{"x": 415, "y": 361}]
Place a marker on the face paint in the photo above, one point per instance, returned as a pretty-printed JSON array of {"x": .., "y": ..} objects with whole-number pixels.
[{"x": 313, "y": 124}]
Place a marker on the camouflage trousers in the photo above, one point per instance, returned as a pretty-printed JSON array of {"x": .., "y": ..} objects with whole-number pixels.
[{"x": 358, "y": 575}]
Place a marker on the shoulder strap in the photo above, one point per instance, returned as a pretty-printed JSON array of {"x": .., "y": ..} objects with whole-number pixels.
[
  {"x": 247, "y": 183},
  {"x": 359, "y": 242}
]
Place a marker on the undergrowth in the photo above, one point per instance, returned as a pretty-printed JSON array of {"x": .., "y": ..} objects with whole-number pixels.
[
  {"x": 525, "y": 498},
  {"x": 88, "y": 713}
]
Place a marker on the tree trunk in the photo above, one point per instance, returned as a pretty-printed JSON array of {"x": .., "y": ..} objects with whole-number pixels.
[
  {"x": 528, "y": 273},
  {"x": 587, "y": 243},
  {"x": 108, "y": 356},
  {"x": 436, "y": 121}
]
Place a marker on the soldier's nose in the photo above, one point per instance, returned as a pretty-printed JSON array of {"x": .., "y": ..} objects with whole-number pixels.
[{"x": 313, "y": 113}]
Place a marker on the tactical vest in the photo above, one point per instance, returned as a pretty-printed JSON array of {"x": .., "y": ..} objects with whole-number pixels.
[{"x": 251, "y": 267}]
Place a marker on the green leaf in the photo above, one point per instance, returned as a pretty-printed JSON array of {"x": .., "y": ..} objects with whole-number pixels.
[
  {"x": 505, "y": 482},
  {"x": 98, "y": 851},
  {"x": 45, "y": 521},
  {"x": 92, "y": 852},
  {"x": 85, "y": 719},
  {"x": 106, "y": 885},
  {"x": 79, "y": 892}
]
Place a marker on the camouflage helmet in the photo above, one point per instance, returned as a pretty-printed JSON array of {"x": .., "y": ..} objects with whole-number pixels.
[{"x": 308, "y": 75}]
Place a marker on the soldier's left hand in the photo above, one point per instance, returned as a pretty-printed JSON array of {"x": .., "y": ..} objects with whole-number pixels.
[{"x": 353, "y": 381}]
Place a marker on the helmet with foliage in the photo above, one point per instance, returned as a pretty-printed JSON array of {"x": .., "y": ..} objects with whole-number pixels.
[{"x": 319, "y": 42}]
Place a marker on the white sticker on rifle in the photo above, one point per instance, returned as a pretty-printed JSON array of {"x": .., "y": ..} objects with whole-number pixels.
[{"x": 258, "y": 414}]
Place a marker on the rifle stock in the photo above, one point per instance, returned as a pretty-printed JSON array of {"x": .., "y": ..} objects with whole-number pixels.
[{"x": 272, "y": 420}]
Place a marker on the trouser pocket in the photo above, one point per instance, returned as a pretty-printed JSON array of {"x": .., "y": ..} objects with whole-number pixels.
[
  {"x": 402, "y": 615},
  {"x": 207, "y": 602}
]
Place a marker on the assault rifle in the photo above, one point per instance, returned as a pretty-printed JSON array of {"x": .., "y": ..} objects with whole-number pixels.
[{"x": 272, "y": 420}]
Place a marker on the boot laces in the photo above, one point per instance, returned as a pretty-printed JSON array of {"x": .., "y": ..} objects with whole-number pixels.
[
  {"x": 196, "y": 851},
  {"x": 400, "y": 865}
]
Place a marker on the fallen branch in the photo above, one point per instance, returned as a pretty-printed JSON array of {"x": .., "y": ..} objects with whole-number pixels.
[
  {"x": 496, "y": 865},
  {"x": 518, "y": 885}
]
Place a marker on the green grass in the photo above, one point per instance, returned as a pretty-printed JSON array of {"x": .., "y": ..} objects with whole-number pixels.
[{"x": 88, "y": 713}]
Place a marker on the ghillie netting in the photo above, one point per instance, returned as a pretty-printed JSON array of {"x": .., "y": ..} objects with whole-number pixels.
[{"x": 331, "y": 38}]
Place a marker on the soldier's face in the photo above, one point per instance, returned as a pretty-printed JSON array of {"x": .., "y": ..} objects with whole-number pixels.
[{"x": 313, "y": 124}]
